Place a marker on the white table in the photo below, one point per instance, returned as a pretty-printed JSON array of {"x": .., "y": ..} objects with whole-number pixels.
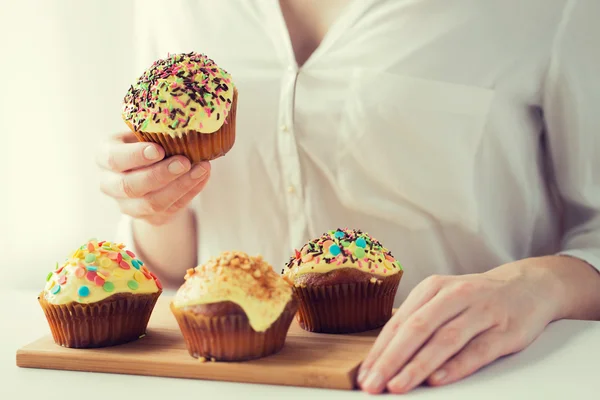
[{"x": 564, "y": 363}]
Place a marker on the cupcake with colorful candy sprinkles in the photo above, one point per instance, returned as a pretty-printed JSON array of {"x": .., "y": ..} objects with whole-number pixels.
[
  {"x": 346, "y": 281},
  {"x": 187, "y": 104},
  {"x": 102, "y": 295}
]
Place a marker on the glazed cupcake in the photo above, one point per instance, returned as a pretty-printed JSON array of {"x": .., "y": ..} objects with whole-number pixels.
[
  {"x": 187, "y": 104},
  {"x": 102, "y": 295},
  {"x": 346, "y": 282},
  {"x": 234, "y": 308}
]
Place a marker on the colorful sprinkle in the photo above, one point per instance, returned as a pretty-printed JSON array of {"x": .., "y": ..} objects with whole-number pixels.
[
  {"x": 108, "y": 287},
  {"x": 49, "y": 276},
  {"x": 62, "y": 280},
  {"x": 91, "y": 268},
  {"x": 99, "y": 281},
  {"x": 130, "y": 253},
  {"x": 138, "y": 276},
  {"x": 125, "y": 256},
  {"x": 90, "y": 276},
  {"x": 83, "y": 291},
  {"x": 55, "y": 289},
  {"x": 101, "y": 275},
  {"x": 361, "y": 242},
  {"x": 339, "y": 235},
  {"x": 335, "y": 249},
  {"x": 359, "y": 252},
  {"x": 90, "y": 258},
  {"x": 123, "y": 264},
  {"x": 90, "y": 246},
  {"x": 80, "y": 272},
  {"x": 105, "y": 262},
  {"x": 133, "y": 285},
  {"x": 119, "y": 258},
  {"x": 136, "y": 264}
]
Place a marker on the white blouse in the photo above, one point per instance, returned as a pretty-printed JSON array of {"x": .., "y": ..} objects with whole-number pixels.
[{"x": 461, "y": 134}]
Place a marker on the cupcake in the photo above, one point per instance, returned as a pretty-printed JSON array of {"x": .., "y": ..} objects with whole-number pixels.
[
  {"x": 102, "y": 295},
  {"x": 346, "y": 282},
  {"x": 185, "y": 103},
  {"x": 234, "y": 308}
]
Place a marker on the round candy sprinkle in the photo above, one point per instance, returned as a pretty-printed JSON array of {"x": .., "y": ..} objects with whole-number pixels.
[
  {"x": 112, "y": 255},
  {"x": 326, "y": 245},
  {"x": 130, "y": 253},
  {"x": 48, "y": 276},
  {"x": 125, "y": 256},
  {"x": 361, "y": 242},
  {"x": 62, "y": 280},
  {"x": 83, "y": 291},
  {"x": 359, "y": 252},
  {"x": 56, "y": 267},
  {"x": 339, "y": 234},
  {"x": 334, "y": 249},
  {"x": 108, "y": 287},
  {"x": 136, "y": 264},
  {"x": 90, "y": 276},
  {"x": 90, "y": 246},
  {"x": 345, "y": 243},
  {"x": 133, "y": 285},
  {"x": 105, "y": 262},
  {"x": 98, "y": 281},
  {"x": 123, "y": 264},
  {"x": 90, "y": 268},
  {"x": 101, "y": 275},
  {"x": 80, "y": 272},
  {"x": 55, "y": 289},
  {"x": 119, "y": 257},
  {"x": 140, "y": 262},
  {"x": 90, "y": 258},
  {"x": 138, "y": 276}
]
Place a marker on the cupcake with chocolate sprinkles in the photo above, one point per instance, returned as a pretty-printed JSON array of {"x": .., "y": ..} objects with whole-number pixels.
[
  {"x": 102, "y": 295},
  {"x": 234, "y": 308},
  {"x": 346, "y": 282},
  {"x": 187, "y": 104}
]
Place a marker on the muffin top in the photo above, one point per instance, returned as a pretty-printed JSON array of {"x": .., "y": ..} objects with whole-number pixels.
[
  {"x": 96, "y": 271},
  {"x": 247, "y": 281},
  {"x": 342, "y": 248},
  {"x": 178, "y": 94}
]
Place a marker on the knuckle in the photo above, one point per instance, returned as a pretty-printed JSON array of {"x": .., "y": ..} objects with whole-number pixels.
[
  {"x": 463, "y": 289},
  {"x": 434, "y": 280},
  {"x": 418, "y": 325},
  {"x": 450, "y": 337},
  {"x": 127, "y": 188},
  {"x": 418, "y": 368},
  {"x": 151, "y": 206},
  {"x": 481, "y": 349},
  {"x": 155, "y": 176}
]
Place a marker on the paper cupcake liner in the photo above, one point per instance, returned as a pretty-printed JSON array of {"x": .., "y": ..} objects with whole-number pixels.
[
  {"x": 230, "y": 337},
  {"x": 118, "y": 319},
  {"x": 347, "y": 307},
  {"x": 195, "y": 145}
]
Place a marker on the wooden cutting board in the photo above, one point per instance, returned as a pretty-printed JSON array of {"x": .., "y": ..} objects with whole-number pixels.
[{"x": 307, "y": 359}]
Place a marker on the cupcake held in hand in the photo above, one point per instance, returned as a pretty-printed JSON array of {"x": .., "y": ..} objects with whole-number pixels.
[
  {"x": 346, "y": 282},
  {"x": 234, "y": 308},
  {"x": 102, "y": 295},
  {"x": 187, "y": 104}
]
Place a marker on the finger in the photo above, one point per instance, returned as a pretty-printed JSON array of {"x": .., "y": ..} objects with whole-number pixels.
[
  {"x": 125, "y": 137},
  {"x": 140, "y": 182},
  {"x": 420, "y": 295},
  {"x": 119, "y": 156},
  {"x": 189, "y": 196},
  {"x": 161, "y": 200},
  {"x": 445, "y": 343},
  {"x": 411, "y": 335},
  {"x": 478, "y": 353}
]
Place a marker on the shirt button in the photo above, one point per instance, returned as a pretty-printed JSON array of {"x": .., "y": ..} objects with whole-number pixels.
[
  {"x": 291, "y": 189},
  {"x": 284, "y": 128}
]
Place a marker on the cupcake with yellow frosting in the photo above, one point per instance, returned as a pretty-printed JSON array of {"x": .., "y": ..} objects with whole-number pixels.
[
  {"x": 102, "y": 295},
  {"x": 234, "y": 308},
  {"x": 187, "y": 104},
  {"x": 346, "y": 282}
]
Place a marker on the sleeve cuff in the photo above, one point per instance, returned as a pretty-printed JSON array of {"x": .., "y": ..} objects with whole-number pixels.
[{"x": 589, "y": 256}]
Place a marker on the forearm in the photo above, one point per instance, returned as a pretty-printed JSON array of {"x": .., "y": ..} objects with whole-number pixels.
[{"x": 169, "y": 249}]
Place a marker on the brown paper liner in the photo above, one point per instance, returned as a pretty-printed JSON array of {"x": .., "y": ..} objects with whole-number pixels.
[
  {"x": 118, "y": 319},
  {"x": 195, "y": 145},
  {"x": 230, "y": 337},
  {"x": 347, "y": 307}
]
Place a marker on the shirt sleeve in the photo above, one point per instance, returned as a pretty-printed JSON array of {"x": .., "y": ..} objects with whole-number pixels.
[{"x": 571, "y": 108}]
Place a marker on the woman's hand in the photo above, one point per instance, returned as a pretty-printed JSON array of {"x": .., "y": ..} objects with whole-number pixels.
[
  {"x": 450, "y": 326},
  {"x": 147, "y": 186}
]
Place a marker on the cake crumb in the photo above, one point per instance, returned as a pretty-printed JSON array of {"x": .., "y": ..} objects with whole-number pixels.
[
  {"x": 373, "y": 280},
  {"x": 202, "y": 359},
  {"x": 212, "y": 359}
]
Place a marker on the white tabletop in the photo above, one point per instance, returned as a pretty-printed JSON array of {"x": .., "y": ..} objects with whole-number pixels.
[{"x": 563, "y": 363}]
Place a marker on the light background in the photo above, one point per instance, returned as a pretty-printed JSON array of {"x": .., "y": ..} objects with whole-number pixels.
[{"x": 65, "y": 66}]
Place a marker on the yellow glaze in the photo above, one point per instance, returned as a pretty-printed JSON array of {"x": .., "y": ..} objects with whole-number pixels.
[
  {"x": 104, "y": 269},
  {"x": 249, "y": 282},
  {"x": 343, "y": 248}
]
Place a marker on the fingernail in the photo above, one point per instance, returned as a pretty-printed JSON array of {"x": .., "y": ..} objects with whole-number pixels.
[
  {"x": 374, "y": 382},
  {"x": 402, "y": 381},
  {"x": 361, "y": 375},
  {"x": 151, "y": 153},
  {"x": 439, "y": 376},
  {"x": 198, "y": 172},
  {"x": 176, "y": 167}
]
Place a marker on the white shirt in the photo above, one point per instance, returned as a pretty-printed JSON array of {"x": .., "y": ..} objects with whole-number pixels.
[{"x": 454, "y": 132}]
